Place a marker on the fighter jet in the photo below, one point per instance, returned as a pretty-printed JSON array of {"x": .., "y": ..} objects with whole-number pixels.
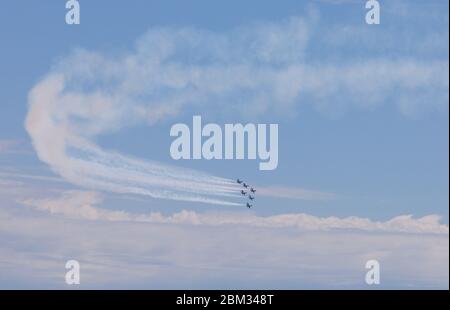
[
  {"x": 245, "y": 185},
  {"x": 253, "y": 190},
  {"x": 249, "y": 205},
  {"x": 239, "y": 181},
  {"x": 243, "y": 192},
  {"x": 251, "y": 197}
]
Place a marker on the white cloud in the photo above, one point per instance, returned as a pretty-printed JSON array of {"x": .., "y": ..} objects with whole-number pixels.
[
  {"x": 82, "y": 205},
  {"x": 125, "y": 254}
]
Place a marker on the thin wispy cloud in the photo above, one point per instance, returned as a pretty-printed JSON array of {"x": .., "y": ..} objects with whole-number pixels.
[
  {"x": 19, "y": 176},
  {"x": 294, "y": 193}
]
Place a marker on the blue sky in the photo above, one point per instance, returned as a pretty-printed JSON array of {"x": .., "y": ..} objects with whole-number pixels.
[{"x": 363, "y": 135}]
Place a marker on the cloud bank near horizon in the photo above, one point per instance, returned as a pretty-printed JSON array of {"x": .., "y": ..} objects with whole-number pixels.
[
  {"x": 164, "y": 254},
  {"x": 83, "y": 205}
]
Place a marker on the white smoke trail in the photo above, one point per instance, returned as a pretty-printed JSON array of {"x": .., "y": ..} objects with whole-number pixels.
[{"x": 83, "y": 163}]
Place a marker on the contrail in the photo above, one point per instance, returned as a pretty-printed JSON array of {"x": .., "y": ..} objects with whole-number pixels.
[{"x": 59, "y": 142}]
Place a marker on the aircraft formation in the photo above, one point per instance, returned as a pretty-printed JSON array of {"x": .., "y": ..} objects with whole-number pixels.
[{"x": 247, "y": 191}]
